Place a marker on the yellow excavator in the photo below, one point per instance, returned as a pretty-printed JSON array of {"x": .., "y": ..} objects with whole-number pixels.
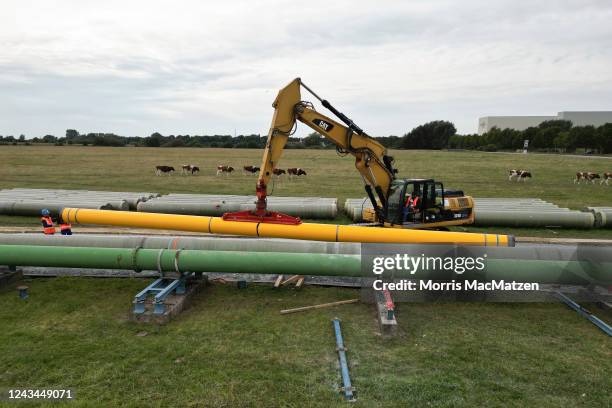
[{"x": 399, "y": 203}]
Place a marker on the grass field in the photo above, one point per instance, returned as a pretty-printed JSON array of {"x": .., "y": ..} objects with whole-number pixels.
[
  {"x": 232, "y": 348},
  {"x": 132, "y": 169}
]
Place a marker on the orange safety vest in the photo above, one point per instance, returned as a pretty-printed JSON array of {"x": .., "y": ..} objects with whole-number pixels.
[
  {"x": 64, "y": 227},
  {"x": 412, "y": 202},
  {"x": 50, "y": 230}
]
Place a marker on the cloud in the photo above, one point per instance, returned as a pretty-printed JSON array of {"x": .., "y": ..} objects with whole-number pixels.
[{"x": 208, "y": 67}]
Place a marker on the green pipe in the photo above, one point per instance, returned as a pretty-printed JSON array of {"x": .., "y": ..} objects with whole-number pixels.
[
  {"x": 187, "y": 260},
  {"x": 276, "y": 263}
]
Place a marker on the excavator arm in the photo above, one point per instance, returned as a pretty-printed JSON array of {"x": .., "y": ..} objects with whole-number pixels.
[{"x": 371, "y": 159}]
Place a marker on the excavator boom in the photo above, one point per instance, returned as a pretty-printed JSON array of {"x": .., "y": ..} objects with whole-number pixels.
[{"x": 371, "y": 159}]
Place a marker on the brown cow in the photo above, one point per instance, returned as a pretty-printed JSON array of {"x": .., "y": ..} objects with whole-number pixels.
[
  {"x": 586, "y": 176},
  {"x": 606, "y": 178},
  {"x": 224, "y": 169},
  {"x": 163, "y": 169},
  {"x": 250, "y": 170},
  {"x": 296, "y": 171}
]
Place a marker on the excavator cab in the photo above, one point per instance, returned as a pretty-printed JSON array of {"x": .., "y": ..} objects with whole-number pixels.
[{"x": 422, "y": 203}]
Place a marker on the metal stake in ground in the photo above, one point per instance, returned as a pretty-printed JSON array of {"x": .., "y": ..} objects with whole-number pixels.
[{"x": 346, "y": 379}]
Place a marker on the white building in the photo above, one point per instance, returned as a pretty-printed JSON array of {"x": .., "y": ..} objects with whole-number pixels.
[{"x": 595, "y": 118}]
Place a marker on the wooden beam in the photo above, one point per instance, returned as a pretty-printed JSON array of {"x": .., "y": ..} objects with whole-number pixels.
[
  {"x": 291, "y": 279},
  {"x": 323, "y": 305},
  {"x": 279, "y": 278}
]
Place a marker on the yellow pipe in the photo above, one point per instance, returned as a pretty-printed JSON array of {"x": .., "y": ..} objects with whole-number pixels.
[{"x": 313, "y": 232}]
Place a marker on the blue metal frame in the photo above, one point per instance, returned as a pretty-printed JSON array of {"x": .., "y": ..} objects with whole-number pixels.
[
  {"x": 584, "y": 312},
  {"x": 346, "y": 379},
  {"x": 161, "y": 288}
]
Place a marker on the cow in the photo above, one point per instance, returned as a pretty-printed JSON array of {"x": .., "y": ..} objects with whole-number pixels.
[
  {"x": 189, "y": 169},
  {"x": 606, "y": 178},
  {"x": 586, "y": 176},
  {"x": 296, "y": 171},
  {"x": 278, "y": 172},
  {"x": 250, "y": 169},
  {"x": 224, "y": 169},
  {"x": 159, "y": 170},
  {"x": 519, "y": 174}
]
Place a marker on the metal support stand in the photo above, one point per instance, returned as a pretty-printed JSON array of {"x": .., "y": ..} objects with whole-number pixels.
[
  {"x": 346, "y": 379},
  {"x": 386, "y": 313},
  {"x": 161, "y": 288},
  {"x": 585, "y": 313}
]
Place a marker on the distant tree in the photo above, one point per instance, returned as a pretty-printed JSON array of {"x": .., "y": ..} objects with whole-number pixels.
[
  {"x": 71, "y": 134},
  {"x": 22, "y": 138},
  {"x": 155, "y": 140},
  {"x": 431, "y": 135},
  {"x": 603, "y": 138},
  {"x": 313, "y": 140},
  {"x": 556, "y": 123},
  {"x": 49, "y": 139}
]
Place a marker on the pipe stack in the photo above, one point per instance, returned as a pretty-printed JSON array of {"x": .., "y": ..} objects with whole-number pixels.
[
  {"x": 603, "y": 216},
  {"x": 217, "y": 205},
  {"x": 528, "y": 212},
  {"x": 556, "y": 264},
  {"x": 512, "y": 212},
  {"x": 29, "y": 201}
]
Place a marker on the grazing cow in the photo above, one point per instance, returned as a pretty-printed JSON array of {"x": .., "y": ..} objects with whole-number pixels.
[
  {"x": 296, "y": 171},
  {"x": 586, "y": 176},
  {"x": 189, "y": 169},
  {"x": 606, "y": 178},
  {"x": 278, "y": 172},
  {"x": 519, "y": 174},
  {"x": 224, "y": 169},
  {"x": 163, "y": 169},
  {"x": 250, "y": 170}
]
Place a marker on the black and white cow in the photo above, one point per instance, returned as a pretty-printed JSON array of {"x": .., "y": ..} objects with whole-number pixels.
[
  {"x": 189, "y": 169},
  {"x": 159, "y": 170},
  {"x": 250, "y": 169},
  {"x": 519, "y": 174}
]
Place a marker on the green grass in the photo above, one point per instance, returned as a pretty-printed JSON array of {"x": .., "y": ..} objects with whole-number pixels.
[
  {"x": 132, "y": 169},
  {"x": 232, "y": 348}
]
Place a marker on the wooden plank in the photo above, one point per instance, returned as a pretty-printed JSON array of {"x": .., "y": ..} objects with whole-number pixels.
[
  {"x": 278, "y": 281},
  {"x": 323, "y": 305},
  {"x": 291, "y": 279},
  {"x": 299, "y": 282}
]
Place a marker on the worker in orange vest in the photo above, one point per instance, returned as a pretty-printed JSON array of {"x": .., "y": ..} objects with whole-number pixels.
[
  {"x": 47, "y": 222},
  {"x": 65, "y": 228}
]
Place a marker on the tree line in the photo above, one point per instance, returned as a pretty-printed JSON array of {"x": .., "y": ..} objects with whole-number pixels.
[{"x": 550, "y": 136}]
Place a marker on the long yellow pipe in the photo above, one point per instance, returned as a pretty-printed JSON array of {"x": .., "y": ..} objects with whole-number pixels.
[{"x": 313, "y": 232}]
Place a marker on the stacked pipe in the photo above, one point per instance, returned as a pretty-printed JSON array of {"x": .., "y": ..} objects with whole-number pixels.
[
  {"x": 216, "y": 205},
  {"x": 556, "y": 264},
  {"x": 509, "y": 212},
  {"x": 28, "y": 201},
  {"x": 603, "y": 216},
  {"x": 528, "y": 212},
  {"x": 208, "y": 243}
]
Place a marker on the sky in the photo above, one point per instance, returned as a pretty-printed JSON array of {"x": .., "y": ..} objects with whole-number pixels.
[{"x": 209, "y": 67}]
